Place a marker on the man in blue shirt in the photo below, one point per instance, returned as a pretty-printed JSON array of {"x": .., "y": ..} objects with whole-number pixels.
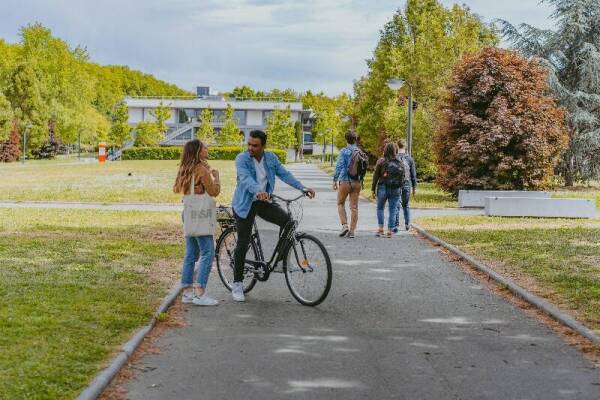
[
  {"x": 256, "y": 172},
  {"x": 347, "y": 187}
]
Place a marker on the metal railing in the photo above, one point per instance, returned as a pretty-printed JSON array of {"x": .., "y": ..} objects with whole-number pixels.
[{"x": 228, "y": 98}]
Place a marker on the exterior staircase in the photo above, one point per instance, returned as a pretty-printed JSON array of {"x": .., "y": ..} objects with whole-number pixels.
[{"x": 172, "y": 138}]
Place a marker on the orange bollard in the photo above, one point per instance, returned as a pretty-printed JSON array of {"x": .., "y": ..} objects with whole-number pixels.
[{"x": 101, "y": 152}]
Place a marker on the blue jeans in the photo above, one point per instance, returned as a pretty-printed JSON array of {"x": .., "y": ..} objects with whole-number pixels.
[
  {"x": 392, "y": 196},
  {"x": 405, "y": 204},
  {"x": 197, "y": 246}
]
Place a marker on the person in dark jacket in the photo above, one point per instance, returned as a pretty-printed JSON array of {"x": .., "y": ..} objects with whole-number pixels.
[
  {"x": 383, "y": 192},
  {"x": 410, "y": 185}
]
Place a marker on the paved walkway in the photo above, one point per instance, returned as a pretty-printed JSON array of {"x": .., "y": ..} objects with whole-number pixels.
[{"x": 400, "y": 322}]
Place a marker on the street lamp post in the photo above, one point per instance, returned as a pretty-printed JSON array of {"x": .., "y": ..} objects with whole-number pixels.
[
  {"x": 27, "y": 128},
  {"x": 332, "y": 149},
  {"x": 396, "y": 84}
]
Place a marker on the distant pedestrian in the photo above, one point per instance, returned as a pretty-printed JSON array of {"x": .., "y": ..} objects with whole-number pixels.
[
  {"x": 349, "y": 172},
  {"x": 387, "y": 183},
  {"x": 409, "y": 185},
  {"x": 195, "y": 177}
]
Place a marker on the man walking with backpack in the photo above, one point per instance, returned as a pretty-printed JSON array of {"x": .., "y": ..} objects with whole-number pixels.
[
  {"x": 409, "y": 184},
  {"x": 350, "y": 171}
]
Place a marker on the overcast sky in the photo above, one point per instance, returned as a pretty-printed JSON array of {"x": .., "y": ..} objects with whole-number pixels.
[{"x": 302, "y": 44}]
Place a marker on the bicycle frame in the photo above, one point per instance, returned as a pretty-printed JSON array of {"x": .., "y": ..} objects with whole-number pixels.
[{"x": 286, "y": 239}]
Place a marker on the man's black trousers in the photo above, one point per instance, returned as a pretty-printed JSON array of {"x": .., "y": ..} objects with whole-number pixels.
[{"x": 270, "y": 212}]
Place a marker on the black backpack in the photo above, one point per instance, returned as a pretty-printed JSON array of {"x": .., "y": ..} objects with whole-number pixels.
[
  {"x": 357, "y": 167},
  {"x": 394, "y": 172}
]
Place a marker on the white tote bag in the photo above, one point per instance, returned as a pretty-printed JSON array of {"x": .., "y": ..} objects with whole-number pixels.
[{"x": 199, "y": 213}]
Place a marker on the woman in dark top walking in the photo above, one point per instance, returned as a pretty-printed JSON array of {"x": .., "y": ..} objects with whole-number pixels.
[{"x": 386, "y": 187}]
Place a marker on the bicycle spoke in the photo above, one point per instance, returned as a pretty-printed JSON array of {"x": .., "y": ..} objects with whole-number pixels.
[
  {"x": 225, "y": 261},
  {"x": 308, "y": 271}
]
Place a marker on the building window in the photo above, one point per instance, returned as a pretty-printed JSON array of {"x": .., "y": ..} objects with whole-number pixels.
[
  {"x": 266, "y": 116},
  {"x": 240, "y": 117},
  {"x": 218, "y": 115},
  {"x": 186, "y": 115}
]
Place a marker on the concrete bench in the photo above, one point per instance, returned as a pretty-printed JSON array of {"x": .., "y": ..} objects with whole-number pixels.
[
  {"x": 540, "y": 207},
  {"x": 476, "y": 198}
]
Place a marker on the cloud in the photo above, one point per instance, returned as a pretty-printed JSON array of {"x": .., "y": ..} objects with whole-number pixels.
[{"x": 310, "y": 44}]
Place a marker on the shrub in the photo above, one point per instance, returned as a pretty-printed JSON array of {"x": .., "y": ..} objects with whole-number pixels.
[
  {"x": 500, "y": 130},
  {"x": 9, "y": 149},
  {"x": 174, "y": 153}
]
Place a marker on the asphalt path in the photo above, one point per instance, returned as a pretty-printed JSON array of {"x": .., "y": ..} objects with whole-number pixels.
[{"x": 401, "y": 322}]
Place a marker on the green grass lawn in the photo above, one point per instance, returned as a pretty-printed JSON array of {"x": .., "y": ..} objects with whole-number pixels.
[
  {"x": 428, "y": 194},
  {"x": 74, "y": 286},
  {"x": 561, "y": 257},
  {"x": 150, "y": 181}
]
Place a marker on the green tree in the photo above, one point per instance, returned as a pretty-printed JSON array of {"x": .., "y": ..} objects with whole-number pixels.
[
  {"x": 120, "y": 131},
  {"x": 572, "y": 55},
  {"x": 421, "y": 44},
  {"x": 6, "y": 118},
  {"x": 280, "y": 129},
  {"x": 206, "y": 131},
  {"x": 243, "y": 92},
  {"x": 55, "y": 88},
  {"x": 24, "y": 94},
  {"x": 230, "y": 133},
  {"x": 161, "y": 115},
  {"x": 65, "y": 91},
  {"x": 147, "y": 134},
  {"x": 330, "y": 118}
]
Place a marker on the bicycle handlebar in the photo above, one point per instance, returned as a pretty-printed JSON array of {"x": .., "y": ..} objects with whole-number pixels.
[{"x": 304, "y": 193}]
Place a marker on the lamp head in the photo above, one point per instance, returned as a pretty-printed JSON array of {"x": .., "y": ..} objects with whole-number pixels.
[{"x": 395, "y": 84}]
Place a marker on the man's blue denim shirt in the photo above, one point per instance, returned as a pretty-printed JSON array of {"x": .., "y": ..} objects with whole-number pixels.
[
  {"x": 247, "y": 186},
  {"x": 343, "y": 161}
]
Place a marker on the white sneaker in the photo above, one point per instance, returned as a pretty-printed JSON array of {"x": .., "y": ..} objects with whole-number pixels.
[
  {"x": 204, "y": 300},
  {"x": 344, "y": 230},
  {"x": 237, "y": 291},
  {"x": 188, "y": 297}
]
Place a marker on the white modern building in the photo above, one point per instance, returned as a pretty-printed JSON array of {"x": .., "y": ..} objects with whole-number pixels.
[{"x": 185, "y": 113}]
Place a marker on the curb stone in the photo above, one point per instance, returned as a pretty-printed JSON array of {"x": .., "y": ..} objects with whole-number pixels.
[
  {"x": 534, "y": 300},
  {"x": 103, "y": 379}
]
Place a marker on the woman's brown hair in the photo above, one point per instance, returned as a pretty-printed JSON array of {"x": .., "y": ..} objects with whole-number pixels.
[
  {"x": 190, "y": 161},
  {"x": 390, "y": 151}
]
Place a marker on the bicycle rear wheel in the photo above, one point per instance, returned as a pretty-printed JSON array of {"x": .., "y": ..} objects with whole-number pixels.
[
  {"x": 307, "y": 270},
  {"x": 225, "y": 251}
]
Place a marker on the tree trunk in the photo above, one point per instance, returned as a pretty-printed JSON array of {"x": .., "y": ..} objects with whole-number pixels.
[{"x": 569, "y": 171}]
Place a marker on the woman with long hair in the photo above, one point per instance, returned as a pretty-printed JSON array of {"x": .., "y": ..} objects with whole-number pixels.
[
  {"x": 387, "y": 183},
  {"x": 206, "y": 180}
]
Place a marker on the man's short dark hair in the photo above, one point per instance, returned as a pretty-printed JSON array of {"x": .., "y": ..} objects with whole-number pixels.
[
  {"x": 258, "y": 134},
  {"x": 350, "y": 137},
  {"x": 401, "y": 144}
]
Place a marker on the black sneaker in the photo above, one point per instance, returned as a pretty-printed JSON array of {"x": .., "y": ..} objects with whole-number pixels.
[
  {"x": 407, "y": 227},
  {"x": 395, "y": 230}
]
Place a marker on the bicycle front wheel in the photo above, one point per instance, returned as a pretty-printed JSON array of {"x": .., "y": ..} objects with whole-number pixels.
[{"x": 308, "y": 270}]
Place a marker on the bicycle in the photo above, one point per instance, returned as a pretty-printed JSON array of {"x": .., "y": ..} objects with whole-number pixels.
[{"x": 305, "y": 261}]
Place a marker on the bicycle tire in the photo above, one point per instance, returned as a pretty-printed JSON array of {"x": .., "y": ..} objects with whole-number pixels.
[
  {"x": 222, "y": 265},
  {"x": 288, "y": 271}
]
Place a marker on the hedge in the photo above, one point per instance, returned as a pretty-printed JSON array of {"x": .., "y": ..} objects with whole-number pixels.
[{"x": 174, "y": 153}]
